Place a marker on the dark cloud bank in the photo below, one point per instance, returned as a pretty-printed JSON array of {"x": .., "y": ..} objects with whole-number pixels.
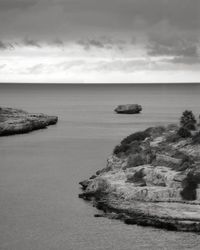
[{"x": 164, "y": 27}]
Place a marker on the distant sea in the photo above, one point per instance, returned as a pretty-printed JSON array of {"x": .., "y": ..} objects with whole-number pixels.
[{"x": 40, "y": 171}]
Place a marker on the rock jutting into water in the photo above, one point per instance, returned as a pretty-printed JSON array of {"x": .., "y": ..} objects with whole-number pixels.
[
  {"x": 129, "y": 109},
  {"x": 16, "y": 121},
  {"x": 152, "y": 179}
]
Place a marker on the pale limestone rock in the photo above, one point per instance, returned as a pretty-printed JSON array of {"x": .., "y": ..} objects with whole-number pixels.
[{"x": 15, "y": 121}]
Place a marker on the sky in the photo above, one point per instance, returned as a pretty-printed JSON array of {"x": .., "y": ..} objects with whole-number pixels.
[{"x": 98, "y": 41}]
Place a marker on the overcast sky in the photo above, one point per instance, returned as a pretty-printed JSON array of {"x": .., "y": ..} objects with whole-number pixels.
[{"x": 99, "y": 41}]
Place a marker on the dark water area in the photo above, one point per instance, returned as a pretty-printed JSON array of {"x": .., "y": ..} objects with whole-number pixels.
[{"x": 40, "y": 171}]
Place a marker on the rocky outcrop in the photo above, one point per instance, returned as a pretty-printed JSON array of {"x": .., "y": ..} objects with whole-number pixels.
[
  {"x": 160, "y": 190},
  {"x": 129, "y": 109},
  {"x": 16, "y": 121}
]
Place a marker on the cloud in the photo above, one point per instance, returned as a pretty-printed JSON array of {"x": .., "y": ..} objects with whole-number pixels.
[
  {"x": 72, "y": 19},
  {"x": 2, "y": 66},
  {"x": 103, "y": 42},
  {"x": 57, "y": 42},
  {"x": 31, "y": 42},
  {"x": 4, "y": 45},
  {"x": 36, "y": 69},
  {"x": 182, "y": 13},
  {"x": 188, "y": 60},
  {"x": 180, "y": 48},
  {"x": 16, "y": 4},
  {"x": 89, "y": 43}
]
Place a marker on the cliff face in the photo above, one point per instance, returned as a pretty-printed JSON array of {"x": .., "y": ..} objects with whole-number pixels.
[
  {"x": 152, "y": 182},
  {"x": 15, "y": 121}
]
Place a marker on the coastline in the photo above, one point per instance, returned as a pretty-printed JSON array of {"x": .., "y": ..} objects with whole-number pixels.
[
  {"x": 16, "y": 121},
  {"x": 148, "y": 184}
]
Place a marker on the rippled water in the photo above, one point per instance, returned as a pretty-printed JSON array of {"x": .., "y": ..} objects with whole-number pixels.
[{"x": 40, "y": 171}]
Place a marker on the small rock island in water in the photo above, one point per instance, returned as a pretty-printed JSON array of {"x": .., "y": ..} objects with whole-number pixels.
[
  {"x": 152, "y": 178},
  {"x": 129, "y": 109},
  {"x": 16, "y": 121}
]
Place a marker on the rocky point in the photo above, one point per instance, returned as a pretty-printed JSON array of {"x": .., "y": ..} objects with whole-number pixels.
[{"x": 151, "y": 179}]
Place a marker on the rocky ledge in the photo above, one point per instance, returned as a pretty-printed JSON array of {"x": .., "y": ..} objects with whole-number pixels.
[
  {"x": 16, "y": 121},
  {"x": 129, "y": 109},
  {"x": 151, "y": 179}
]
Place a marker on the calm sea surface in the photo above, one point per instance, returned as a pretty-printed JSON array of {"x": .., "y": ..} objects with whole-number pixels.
[{"x": 40, "y": 171}]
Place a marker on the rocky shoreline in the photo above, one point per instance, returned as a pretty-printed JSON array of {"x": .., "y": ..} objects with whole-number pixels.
[
  {"x": 151, "y": 179},
  {"x": 16, "y": 121}
]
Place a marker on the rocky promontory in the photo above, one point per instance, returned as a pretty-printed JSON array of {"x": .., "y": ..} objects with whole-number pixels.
[
  {"x": 16, "y": 121},
  {"x": 152, "y": 179},
  {"x": 128, "y": 109}
]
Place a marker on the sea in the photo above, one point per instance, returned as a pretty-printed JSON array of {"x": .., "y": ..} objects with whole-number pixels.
[{"x": 40, "y": 171}]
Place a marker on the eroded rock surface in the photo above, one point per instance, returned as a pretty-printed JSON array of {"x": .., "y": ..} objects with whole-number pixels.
[{"x": 16, "y": 121}]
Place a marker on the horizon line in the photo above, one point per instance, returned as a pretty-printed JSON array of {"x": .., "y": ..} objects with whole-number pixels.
[{"x": 103, "y": 83}]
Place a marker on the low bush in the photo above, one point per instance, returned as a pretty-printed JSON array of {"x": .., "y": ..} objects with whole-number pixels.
[
  {"x": 190, "y": 126},
  {"x": 131, "y": 148},
  {"x": 190, "y": 185},
  {"x": 186, "y": 163},
  {"x": 135, "y": 160},
  {"x": 122, "y": 148},
  {"x": 172, "y": 138},
  {"x": 138, "y": 136},
  {"x": 172, "y": 127},
  {"x": 188, "y": 120},
  {"x": 184, "y": 133},
  {"x": 155, "y": 131},
  {"x": 139, "y": 175},
  {"x": 196, "y": 138},
  {"x": 138, "y": 178}
]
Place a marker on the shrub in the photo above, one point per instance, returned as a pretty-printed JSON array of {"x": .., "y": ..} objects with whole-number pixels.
[
  {"x": 184, "y": 133},
  {"x": 172, "y": 127},
  {"x": 135, "y": 160},
  {"x": 190, "y": 185},
  {"x": 186, "y": 163},
  {"x": 172, "y": 138},
  {"x": 122, "y": 148},
  {"x": 138, "y": 136},
  {"x": 135, "y": 147},
  {"x": 139, "y": 175},
  {"x": 196, "y": 138},
  {"x": 155, "y": 131},
  {"x": 131, "y": 148},
  {"x": 188, "y": 120},
  {"x": 190, "y": 126}
]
